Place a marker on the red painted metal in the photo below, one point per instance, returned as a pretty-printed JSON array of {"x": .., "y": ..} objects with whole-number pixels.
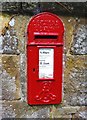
[{"x": 45, "y": 32}]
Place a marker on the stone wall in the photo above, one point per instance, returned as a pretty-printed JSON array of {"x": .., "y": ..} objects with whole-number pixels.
[{"x": 13, "y": 37}]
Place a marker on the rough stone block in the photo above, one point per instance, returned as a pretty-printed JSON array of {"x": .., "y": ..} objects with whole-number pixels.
[
  {"x": 10, "y": 41},
  {"x": 13, "y": 34},
  {"x": 23, "y": 76},
  {"x": 0, "y": 78},
  {"x": 3, "y": 22},
  {"x": 21, "y": 109},
  {"x": 42, "y": 113},
  {"x": 11, "y": 6},
  {"x": 28, "y": 6},
  {"x": 79, "y": 45},
  {"x": 4, "y": 19},
  {"x": 75, "y": 80},
  {"x": 8, "y": 38},
  {"x": 10, "y": 78},
  {"x": 20, "y": 26},
  {"x": 63, "y": 112},
  {"x": 0, "y": 110},
  {"x": 0, "y": 6},
  {"x": 69, "y": 23},
  {"x": 81, "y": 114}
]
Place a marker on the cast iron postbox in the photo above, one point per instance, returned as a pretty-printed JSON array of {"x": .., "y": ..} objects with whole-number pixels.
[{"x": 44, "y": 59}]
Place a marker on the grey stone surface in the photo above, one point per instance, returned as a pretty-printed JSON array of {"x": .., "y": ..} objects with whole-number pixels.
[
  {"x": 23, "y": 76},
  {"x": 43, "y": 113},
  {"x": 9, "y": 40},
  {"x": 1, "y": 43},
  {"x": 0, "y": 6},
  {"x": 0, "y": 79},
  {"x": 81, "y": 114},
  {"x": 79, "y": 45},
  {"x": 63, "y": 112},
  {"x": 0, "y": 110},
  {"x": 11, "y": 6},
  {"x": 9, "y": 78},
  {"x": 8, "y": 86},
  {"x": 8, "y": 112},
  {"x": 31, "y": 6},
  {"x": 28, "y": 6},
  {"x": 75, "y": 81},
  {"x": 20, "y": 109},
  {"x": 79, "y": 82}
]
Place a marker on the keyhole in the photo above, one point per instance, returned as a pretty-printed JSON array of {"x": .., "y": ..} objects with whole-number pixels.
[{"x": 33, "y": 69}]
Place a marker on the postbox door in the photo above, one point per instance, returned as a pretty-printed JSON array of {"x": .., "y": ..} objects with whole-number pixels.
[{"x": 44, "y": 74}]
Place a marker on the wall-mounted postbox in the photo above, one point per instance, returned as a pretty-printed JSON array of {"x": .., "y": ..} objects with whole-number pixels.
[{"x": 44, "y": 59}]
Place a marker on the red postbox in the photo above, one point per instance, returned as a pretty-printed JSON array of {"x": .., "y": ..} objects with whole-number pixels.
[{"x": 44, "y": 59}]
